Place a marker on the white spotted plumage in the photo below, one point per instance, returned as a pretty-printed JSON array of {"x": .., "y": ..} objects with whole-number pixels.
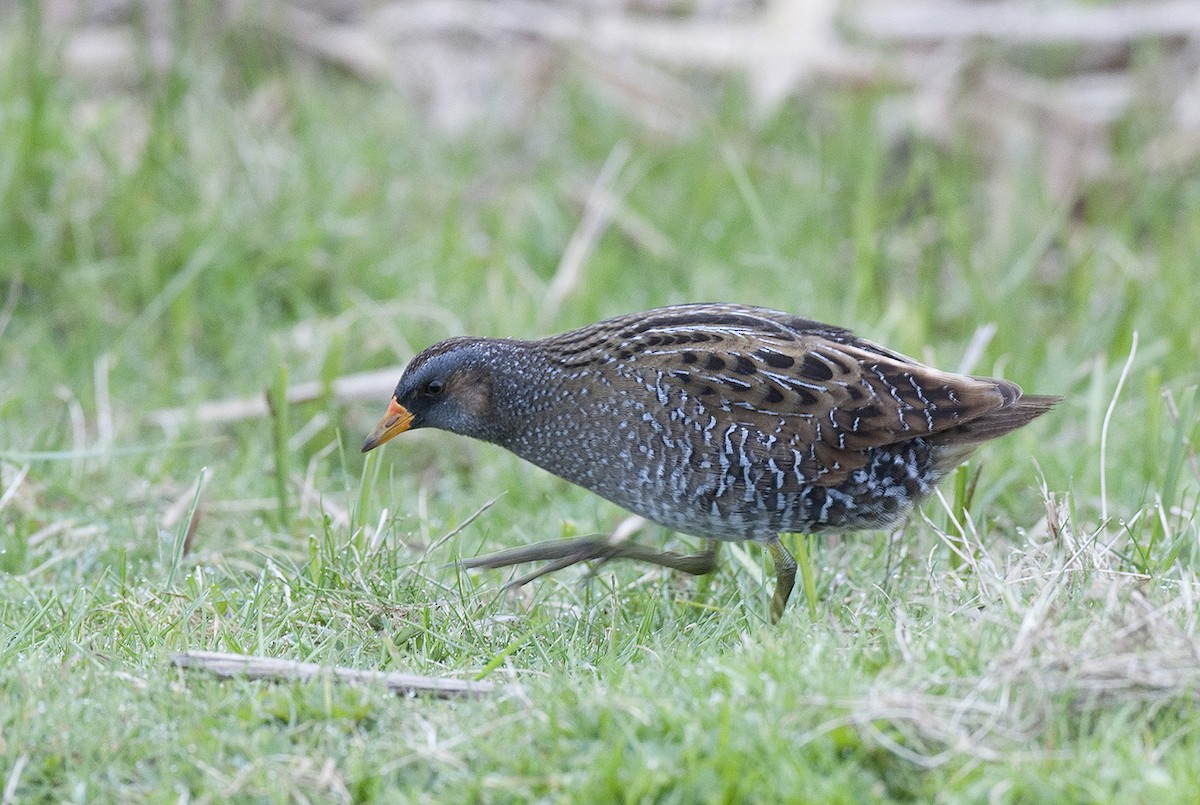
[{"x": 734, "y": 422}]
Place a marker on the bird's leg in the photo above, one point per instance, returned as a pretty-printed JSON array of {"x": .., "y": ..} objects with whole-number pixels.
[
  {"x": 785, "y": 577},
  {"x": 566, "y": 552}
]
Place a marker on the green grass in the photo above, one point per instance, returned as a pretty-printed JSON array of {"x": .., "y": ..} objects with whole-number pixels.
[{"x": 233, "y": 223}]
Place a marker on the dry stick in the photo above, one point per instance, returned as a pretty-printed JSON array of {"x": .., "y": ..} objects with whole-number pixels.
[
  {"x": 360, "y": 386},
  {"x": 779, "y": 47},
  {"x": 13, "y": 486},
  {"x": 1027, "y": 23},
  {"x": 355, "y": 47},
  {"x": 14, "y": 779},
  {"x": 639, "y": 229},
  {"x": 240, "y": 665},
  {"x": 974, "y": 352}
]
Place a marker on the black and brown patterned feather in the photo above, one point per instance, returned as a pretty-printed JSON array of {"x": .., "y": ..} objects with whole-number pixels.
[
  {"x": 835, "y": 396},
  {"x": 723, "y": 421}
]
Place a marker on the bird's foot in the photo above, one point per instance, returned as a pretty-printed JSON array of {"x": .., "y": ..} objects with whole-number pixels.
[{"x": 559, "y": 554}]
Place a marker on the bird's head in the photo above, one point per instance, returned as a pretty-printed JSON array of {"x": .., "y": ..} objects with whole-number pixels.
[{"x": 448, "y": 386}]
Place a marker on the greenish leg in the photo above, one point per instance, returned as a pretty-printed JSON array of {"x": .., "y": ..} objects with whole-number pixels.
[
  {"x": 785, "y": 577},
  {"x": 566, "y": 552}
]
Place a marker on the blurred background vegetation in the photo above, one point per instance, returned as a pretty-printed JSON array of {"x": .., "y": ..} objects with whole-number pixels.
[{"x": 203, "y": 201}]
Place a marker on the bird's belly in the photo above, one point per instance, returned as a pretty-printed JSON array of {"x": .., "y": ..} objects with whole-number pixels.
[
  {"x": 873, "y": 497},
  {"x": 700, "y": 489}
]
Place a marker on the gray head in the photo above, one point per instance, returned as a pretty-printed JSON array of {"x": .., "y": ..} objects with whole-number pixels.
[{"x": 448, "y": 386}]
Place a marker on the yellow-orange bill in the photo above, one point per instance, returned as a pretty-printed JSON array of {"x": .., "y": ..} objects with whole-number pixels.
[{"x": 394, "y": 422}]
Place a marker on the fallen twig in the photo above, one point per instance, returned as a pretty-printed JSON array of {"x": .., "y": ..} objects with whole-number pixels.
[
  {"x": 361, "y": 386},
  {"x": 240, "y": 665},
  {"x": 1026, "y": 22}
]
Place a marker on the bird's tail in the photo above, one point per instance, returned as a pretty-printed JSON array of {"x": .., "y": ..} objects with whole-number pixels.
[{"x": 1022, "y": 411}]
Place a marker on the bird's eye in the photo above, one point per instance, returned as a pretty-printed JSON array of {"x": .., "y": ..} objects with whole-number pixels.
[{"x": 433, "y": 388}]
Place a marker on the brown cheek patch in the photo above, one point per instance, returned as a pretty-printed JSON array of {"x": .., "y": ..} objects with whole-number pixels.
[{"x": 472, "y": 393}]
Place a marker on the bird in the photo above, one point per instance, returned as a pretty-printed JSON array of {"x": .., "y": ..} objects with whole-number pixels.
[{"x": 723, "y": 421}]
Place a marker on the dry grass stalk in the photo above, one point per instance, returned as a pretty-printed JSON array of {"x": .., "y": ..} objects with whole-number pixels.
[
  {"x": 238, "y": 665},
  {"x": 359, "y": 386},
  {"x": 1023, "y": 23},
  {"x": 597, "y": 213}
]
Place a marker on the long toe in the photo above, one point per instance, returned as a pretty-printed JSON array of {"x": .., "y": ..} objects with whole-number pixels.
[{"x": 581, "y": 549}]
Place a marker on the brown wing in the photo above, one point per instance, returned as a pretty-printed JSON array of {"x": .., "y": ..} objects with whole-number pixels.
[{"x": 814, "y": 397}]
